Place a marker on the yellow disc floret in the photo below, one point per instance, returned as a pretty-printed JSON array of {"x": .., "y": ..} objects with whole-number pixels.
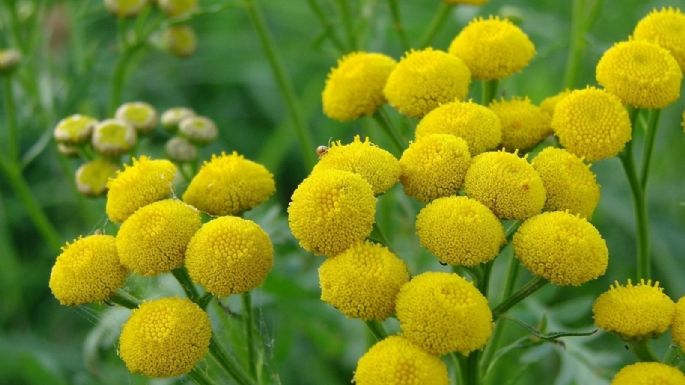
[
  {"x": 548, "y": 105},
  {"x": 678, "y": 330},
  {"x": 493, "y": 48},
  {"x": 460, "y": 231},
  {"x": 331, "y": 210},
  {"x": 592, "y": 124},
  {"x": 562, "y": 248},
  {"x": 506, "y": 184},
  {"x": 354, "y": 88},
  {"x": 649, "y": 373},
  {"x": 523, "y": 124},
  {"x": 665, "y": 27},
  {"x": 425, "y": 79},
  {"x": 434, "y": 166},
  {"x": 569, "y": 183},
  {"x": 92, "y": 177},
  {"x": 379, "y": 167},
  {"x": 154, "y": 239},
  {"x": 165, "y": 337},
  {"x": 641, "y": 73},
  {"x": 229, "y": 255},
  {"x": 229, "y": 184},
  {"x": 87, "y": 270},
  {"x": 634, "y": 311},
  {"x": 397, "y": 361},
  {"x": 138, "y": 185},
  {"x": 479, "y": 126}
]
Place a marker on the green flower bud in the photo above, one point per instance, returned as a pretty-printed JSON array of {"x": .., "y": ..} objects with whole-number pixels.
[
  {"x": 199, "y": 130},
  {"x": 92, "y": 177},
  {"x": 173, "y": 116},
  {"x": 125, "y": 8},
  {"x": 74, "y": 129},
  {"x": 181, "y": 150},
  {"x": 67, "y": 150},
  {"x": 114, "y": 137},
  {"x": 140, "y": 115},
  {"x": 176, "y": 8},
  {"x": 180, "y": 40}
]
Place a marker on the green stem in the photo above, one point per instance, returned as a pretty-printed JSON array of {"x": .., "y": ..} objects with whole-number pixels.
[
  {"x": 397, "y": 22},
  {"x": 347, "y": 23},
  {"x": 181, "y": 275},
  {"x": 529, "y": 288},
  {"x": 672, "y": 356},
  {"x": 119, "y": 79},
  {"x": 251, "y": 354},
  {"x": 11, "y": 120},
  {"x": 326, "y": 24},
  {"x": 124, "y": 299},
  {"x": 303, "y": 134},
  {"x": 381, "y": 118},
  {"x": 377, "y": 329},
  {"x": 200, "y": 377},
  {"x": 511, "y": 230},
  {"x": 460, "y": 370},
  {"x": 228, "y": 364},
  {"x": 652, "y": 126},
  {"x": 489, "y": 88},
  {"x": 484, "y": 283},
  {"x": 436, "y": 24},
  {"x": 642, "y": 351},
  {"x": 472, "y": 372},
  {"x": 577, "y": 45}
]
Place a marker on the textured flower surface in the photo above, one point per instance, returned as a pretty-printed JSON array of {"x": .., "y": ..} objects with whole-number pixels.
[
  {"x": 142, "y": 116},
  {"x": 74, "y": 129},
  {"x": 649, "y": 373},
  {"x": 443, "y": 313},
  {"x": 377, "y": 166},
  {"x": 229, "y": 184},
  {"x": 397, "y": 361},
  {"x": 87, "y": 270},
  {"x": 665, "y": 27},
  {"x": 425, "y": 79},
  {"x": 523, "y": 124},
  {"x": 354, "y": 87},
  {"x": 460, "y": 231},
  {"x": 592, "y": 124},
  {"x": 678, "y": 329},
  {"x": 548, "y": 105},
  {"x": 569, "y": 183},
  {"x": 92, "y": 177},
  {"x": 165, "y": 337},
  {"x": 137, "y": 185},
  {"x": 478, "y": 125},
  {"x": 363, "y": 281},
  {"x": 331, "y": 210},
  {"x": 562, "y": 248},
  {"x": 505, "y": 183},
  {"x": 634, "y": 311},
  {"x": 154, "y": 239},
  {"x": 434, "y": 166},
  {"x": 493, "y": 48},
  {"x": 641, "y": 73},
  {"x": 229, "y": 255}
]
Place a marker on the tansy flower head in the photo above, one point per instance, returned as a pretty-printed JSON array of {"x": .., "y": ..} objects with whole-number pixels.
[
  {"x": 562, "y": 248},
  {"x": 354, "y": 87},
  {"x": 425, "y": 79},
  {"x": 363, "y": 281},
  {"x": 395, "y": 360},
  {"x": 87, "y": 270},
  {"x": 180, "y": 150},
  {"x": 678, "y": 330},
  {"x": 434, "y": 166},
  {"x": 198, "y": 129},
  {"x": 665, "y": 27},
  {"x": 331, "y": 210},
  {"x": 138, "y": 185},
  {"x": 154, "y": 239},
  {"x": 74, "y": 129},
  {"x": 113, "y": 137},
  {"x": 493, "y": 48},
  {"x": 592, "y": 124},
  {"x": 172, "y": 117},
  {"x": 634, "y": 311},
  {"x": 641, "y": 73},
  {"x": 142, "y": 116},
  {"x": 506, "y": 184},
  {"x": 479, "y": 126},
  {"x": 92, "y": 177},
  {"x": 165, "y": 337},
  {"x": 569, "y": 183},
  {"x": 548, "y": 105},
  {"x": 460, "y": 231},
  {"x": 443, "y": 313},
  {"x": 523, "y": 124},
  {"x": 379, "y": 167},
  {"x": 649, "y": 373},
  {"x": 229, "y": 184},
  {"x": 180, "y": 40},
  {"x": 176, "y": 8},
  {"x": 125, "y": 8},
  {"x": 229, "y": 255}
]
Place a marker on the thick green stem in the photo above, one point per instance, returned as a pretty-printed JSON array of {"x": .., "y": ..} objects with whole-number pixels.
[
  {"x": 10, "y": 120},
  {"x": 181, "y": 275},
  {"x": 529, "y": 288},
  {"x": 460, "y": 370},
  {"x": 652, "y": 126},
  {"x": 119, "y": 78},
  {"x": 577, "y": 45},
  {"x": 284, "y": 85},
  {"x": 397, "y": 22},
  {"x": 228, "y": 364},
  {"x": 436, "y": 24},
  {"x": 326, "y": 24},
  {"x": 381, "y": 118},
  {"x": 484, "y": 283},
  {"x": 489, "y": 88},
  {"x": 200, "y": 377},
  {"x": 377, "y": 329},
  {"x": 249, "y": 333},
  {"x": 343, "y": 8},
  {"x": 472, "y": 372},
  {"x": 642, "y": 351},
  {"x": 124, "y": 299}
]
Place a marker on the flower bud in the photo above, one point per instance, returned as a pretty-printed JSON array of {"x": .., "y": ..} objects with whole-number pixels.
[
  {"x": 125, "y": 8},
  {"x": 142, "y": 116},
  {"x": 114, "y": 137},
  {"x": 172, "y": 117},
  {"x": 199, "y": 129},
  {"x": 180, "y": 40},
  {"x": 92, "y": 177},
  {"x": 9, "y": 61},
  {"x": 176, "y": 8},
  {"x": 180, "y": 150},
  {"x": 74, "y": 129}
]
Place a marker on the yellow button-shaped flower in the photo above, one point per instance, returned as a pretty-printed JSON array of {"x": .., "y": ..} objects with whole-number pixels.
[
  {"x": 523, "y": 124},
  {"x": 678, "y": 329},
  {"x": 549, "y": 104},
  {"x": 665, "y": 27},
  {"x": 649, "y": 373}
]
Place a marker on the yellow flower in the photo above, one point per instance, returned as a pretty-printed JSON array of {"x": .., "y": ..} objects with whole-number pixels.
[
  {"x": 181, "y": 40},
  {"x": 165, "y": 337},
  {"x": 434, "y": 166},
  {"x": 173, "y": 117},
  {"x": 425, "y": 79},
  {"x": 74, "y": 129},
  {"x": 92, "y": 177},
  {"x": 678, "y": 330},
  {"x": 443, "y": 313},
  {"x": 460, "y": 231},
  {"x": 493, "y": 48},
  {"x": 666, "y": 28},
  {"x": 506, "y": 184},
  {"x": 331, "y": 210},
  {"x": 176, "y": 8},
  {"x": 229, "y": 184},
  {"x": 634, "y": 311},
  {"x": 113, "y": 137},
  {"x": 523, "y": 124},
  {"x": 154, "y": 239},
  {"x": 198, "y": 129},
  {"x": 354, "y": 87},
  {"x": 180, "y": 150},
  {"x": 649, "y": 373},
  {"x": 548, "y": 105},
  {"x": 229, "y": 255},
  {"x": 87, "y": 270},
  {"x": 142, "y": 116},
  {"x": 641, "y": 73},
  {"x": 125, "y": 8},
  {"x": 363, "y": 281},
  {"x": 396, "y": 361},
  {"x": 569, "y": 183},
  {"x": 138, "y": 185},
  {"x": 562, "y": 248},
  {"x": 478, "y": 125},
  {"x": 379, "y": 167},
  {"x": 592, "y": 124}
]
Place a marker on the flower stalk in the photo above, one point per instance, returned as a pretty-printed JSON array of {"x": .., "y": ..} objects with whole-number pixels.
[
  {"x": 529, "y": 288},
  {"x": 436, "y": 24}
]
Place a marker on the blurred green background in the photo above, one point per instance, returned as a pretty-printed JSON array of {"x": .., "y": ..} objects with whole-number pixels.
[{"x": 69, "y": 54}]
